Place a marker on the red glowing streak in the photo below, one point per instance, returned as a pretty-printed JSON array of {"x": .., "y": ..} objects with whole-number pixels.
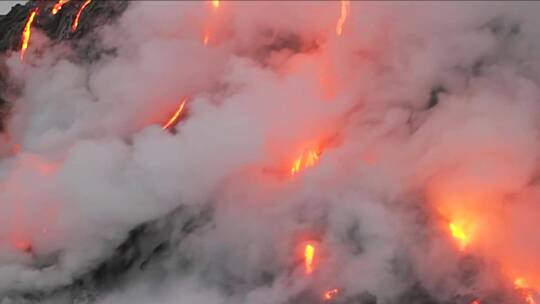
[
  {"x": 26, "y": 33},
  {"x": 23, "y": 246},
  {"x": 476, "y": 302},
  {"x": 330, "y": 294},
  {"x": 78, "y": 16},
  {"x": 309, "y": 254},
  {"x": 307, "y": 159},
  {"x": 174, "y": 119},
  {"x": 58, "y": 6},
  {"x": 345, "y": 6}
]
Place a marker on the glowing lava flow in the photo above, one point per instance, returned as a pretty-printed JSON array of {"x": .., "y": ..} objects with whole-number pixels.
[
  {"x": 58, "y": 6},
  {"x": 305, "y": 160},
  {"x": 524, "y": 290},
  {"x": 345, "y": 6},
  {"x": 330, "y": 294},
  {"x": 174, "y": 119},
  {"x": 78, "y": 16},
  {"x": 27, "y": 31},
  {"x": 206, "y": 37},
  {"x": 460, "y": 234},
  {"x": 309, "y": 254}
]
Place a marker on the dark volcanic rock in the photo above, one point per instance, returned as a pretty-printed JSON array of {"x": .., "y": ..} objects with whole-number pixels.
[{"x": 57, "y": 27}]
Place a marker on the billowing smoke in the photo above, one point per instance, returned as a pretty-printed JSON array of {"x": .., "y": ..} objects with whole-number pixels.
[{"x": 344, "y": 152}]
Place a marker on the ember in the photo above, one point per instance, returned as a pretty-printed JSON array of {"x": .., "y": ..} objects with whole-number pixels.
[{"x": 330, "y": 294}]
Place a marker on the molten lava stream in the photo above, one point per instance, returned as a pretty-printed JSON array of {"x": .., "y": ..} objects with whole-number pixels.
[
  {"x": 58, "y": 6},
  {"x": 75, "y": 24},
  {"x": 305, "y": 160},
  {"x": 175, "y": 117},
  {"x": 460, "y": 233},
  {"x": 345, "y": 7},
  {"x": 210, "y": 24},
  {"x": 25, "y": 39},
  {"x": 309, "y": 255}
]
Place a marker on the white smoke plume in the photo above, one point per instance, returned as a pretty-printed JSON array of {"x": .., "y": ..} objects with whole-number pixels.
[{"x": 426, "y": 115}]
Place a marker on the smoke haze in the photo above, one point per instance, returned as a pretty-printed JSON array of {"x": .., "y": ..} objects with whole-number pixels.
[{"x": 423, "y": 116}]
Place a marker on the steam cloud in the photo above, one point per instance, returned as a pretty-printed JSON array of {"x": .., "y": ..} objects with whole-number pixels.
[{"x": 425, "y": 114}]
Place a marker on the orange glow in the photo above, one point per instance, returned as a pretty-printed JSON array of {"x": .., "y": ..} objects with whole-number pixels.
[
  {"x": 330, "y": 294},
  {"x": 215, "y": 3},
  {"x": 16, "y": 149},
  {"x": 524, "y": 290},
  {"x": 345, "y": 6},
  {"x": 26, "y": 33},
  {"x": 22, "y": 245},
  {"x": 78, "y": 16},
  {"x": 307, "y": 159},
  {"x": 174, "y": 119},
  {"x": 460, "y": 233},
  {"x": 476, "y": 302},
  {"x": 206, "y": 39},
  {"x": 58, "y": 6},
  {"x": 309, "y": 254},
  {"x": 520, "y": 283}
]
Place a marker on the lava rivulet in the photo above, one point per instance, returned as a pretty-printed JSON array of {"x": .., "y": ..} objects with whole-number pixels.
[
  {"x": 27, "y": 32},
  {"x": 305, "y": 160},
  {"x": 309, "y": 256},
  {"x": 175, "y": 117},
  {"x": 75, "y": 24},
  {"x": 58, "y": 6},
  {"x": 345, "y": 7}
]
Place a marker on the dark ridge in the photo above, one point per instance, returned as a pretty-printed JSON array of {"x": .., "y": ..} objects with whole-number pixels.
[
  {"x": 57, "y": 27},
  {"x": 145, "y": 244},
  {"x": 434, "y": 96}
]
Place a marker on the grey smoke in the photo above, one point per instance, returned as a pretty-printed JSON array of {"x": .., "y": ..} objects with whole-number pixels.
[{"x": 427, "y": 108}]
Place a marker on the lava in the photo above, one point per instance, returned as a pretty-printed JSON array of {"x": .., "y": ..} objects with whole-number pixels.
[
  {"x": 460, "y": 233},
  {"x": 330, "y": 294},
  {"x": 78, "y": 16},
  {"x": 174, "y": 119},
  {"x": 58, "y": 6},
  {"x": 305, "y": 160},
  {"x": 309, "y": 254},
  {"x": 27, "y": 32},
  {"x": 22, "y": 245},
  {"x": 345, "y": 6},
  {"x": 524, "y": 290}
]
